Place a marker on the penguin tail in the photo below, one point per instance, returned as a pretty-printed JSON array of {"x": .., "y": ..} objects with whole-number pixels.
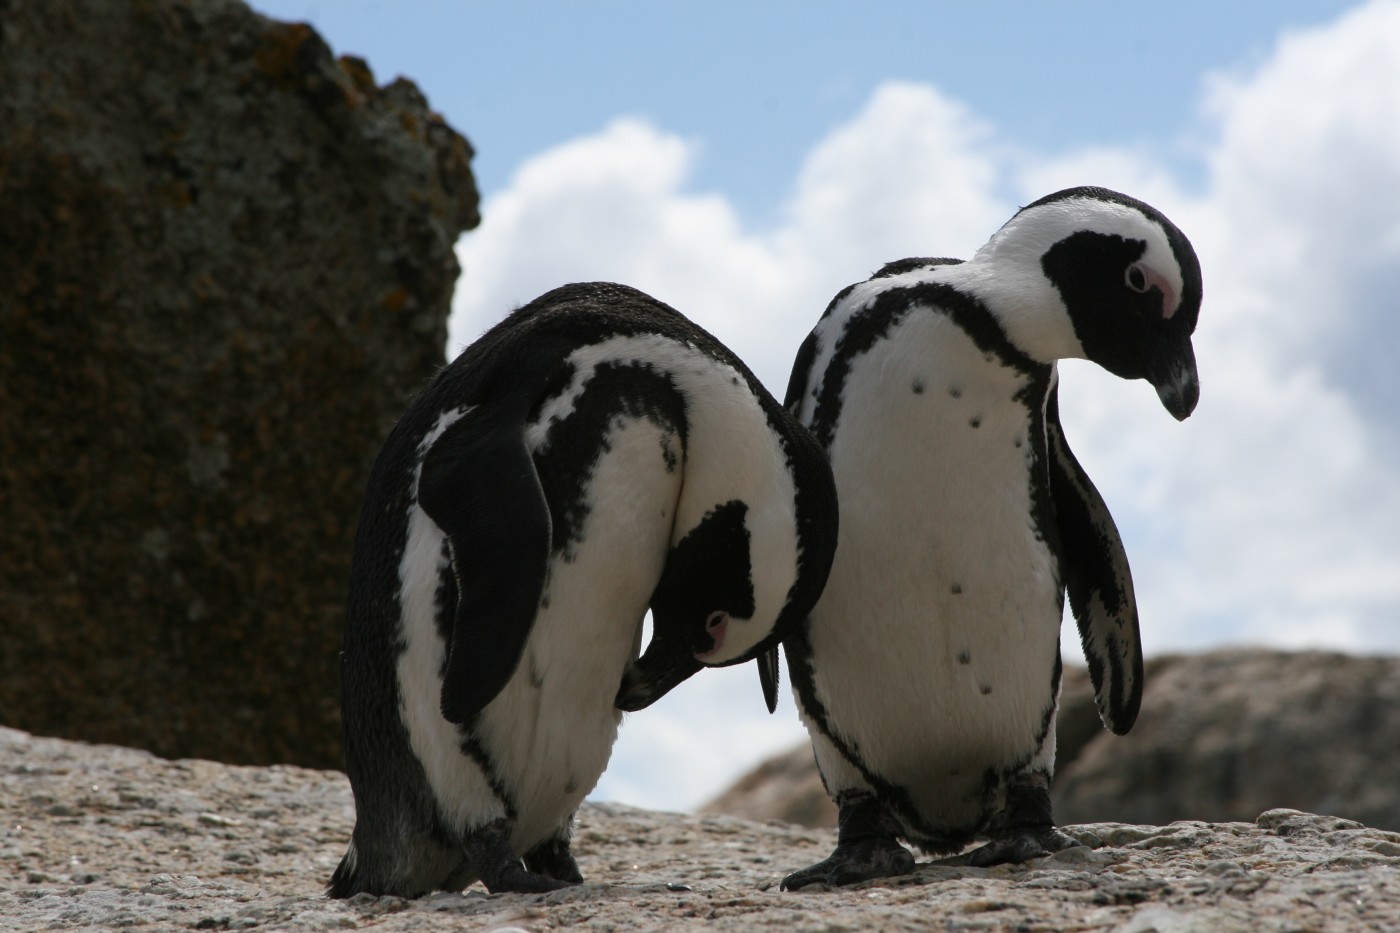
[
  {"x": 345, "y": 881},
  {"x": 404, "y": 871}
]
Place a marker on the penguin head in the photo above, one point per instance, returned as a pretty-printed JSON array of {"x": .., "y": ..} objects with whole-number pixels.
[
  {"x": 744, "y": 574},
  {"x": 1128, "y": 285}
]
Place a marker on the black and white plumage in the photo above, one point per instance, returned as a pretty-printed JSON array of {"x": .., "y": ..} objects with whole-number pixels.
[
  {"x": 928, "y": 674},
  {"x": 593, "y": 454}
]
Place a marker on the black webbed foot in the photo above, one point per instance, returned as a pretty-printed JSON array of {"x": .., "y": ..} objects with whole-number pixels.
[
  {"x": 849, "y": 864},
  {"x": 1025, "y": 829},
  {"x": 1014, "y": 845},
  {"x": 866, "y": 848},
  {"x": 553, "y": 859},
  {"x": 500, "y": 868}
]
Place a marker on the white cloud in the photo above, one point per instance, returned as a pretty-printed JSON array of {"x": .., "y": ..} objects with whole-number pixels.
[
  {"x": 1272, "y": 515},
  {"x": 914, "y": 173},
  {"x": 1309, "y": 163},
  {"x": 697, "y": 740},
  {"x": 615, "y": 206}
]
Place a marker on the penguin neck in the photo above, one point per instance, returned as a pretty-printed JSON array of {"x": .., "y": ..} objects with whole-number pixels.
[
  {"x": 731, "y": 451},
  {"x": 734, "y": 452},
  {"x": 1007, "y": 279}
]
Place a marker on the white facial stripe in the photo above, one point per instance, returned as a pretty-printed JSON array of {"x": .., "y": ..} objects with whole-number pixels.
[
  {"x": 1171, "y": 298},
  {"x": 1006, "y": 272},
  {"x": 733, "y": 453},
  {"x": 1042, "y": 227}
]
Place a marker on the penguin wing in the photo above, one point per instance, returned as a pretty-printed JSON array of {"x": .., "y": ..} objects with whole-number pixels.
[
  {"x": 768, "y": 667},
  {"x": 801, "y": 373},
  {"x": 768, "y": 677},
  {"x": 1100, "y": 585},
  {"x": 479, "y": 485}
]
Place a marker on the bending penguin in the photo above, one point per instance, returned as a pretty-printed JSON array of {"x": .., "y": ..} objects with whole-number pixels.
[
  {"x": 593, "y": 454},
  {"x": 928, "y": 673}
]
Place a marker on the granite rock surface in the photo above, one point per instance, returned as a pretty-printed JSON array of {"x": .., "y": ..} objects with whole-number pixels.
[
  {"x": 226, "y": 264},
  {"x": 107, "y": 838}
]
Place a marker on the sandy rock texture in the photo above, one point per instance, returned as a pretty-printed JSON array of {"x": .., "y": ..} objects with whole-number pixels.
[
  {"x": 1223, "y": 735},
  {"x": 96, "y": 837},
  {"x": 226, "y": 263}
]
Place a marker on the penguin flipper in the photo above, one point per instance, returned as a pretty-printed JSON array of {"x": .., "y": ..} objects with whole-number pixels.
[
  {"x": 801, "y": 373},
  {"x": 479, "y": 485},
  {"x": 1099, "y": 582},
  {"x": 768, "y": 677}
]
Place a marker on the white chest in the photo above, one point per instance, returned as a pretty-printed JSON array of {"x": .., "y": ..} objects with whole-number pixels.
[{"x": 936, "y": 636}]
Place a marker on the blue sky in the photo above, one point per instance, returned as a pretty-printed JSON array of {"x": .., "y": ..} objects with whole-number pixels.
[
  {"x": 745, "y": 161},
  {"x": 758, "y": 83}
]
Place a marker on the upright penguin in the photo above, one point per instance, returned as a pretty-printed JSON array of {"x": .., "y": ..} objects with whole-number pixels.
[
  {"x": 592, "y": 454},
  {"x": 928, "y": 673}
]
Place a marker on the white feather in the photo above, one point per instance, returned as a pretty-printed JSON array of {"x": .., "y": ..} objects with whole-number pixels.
[
  {"x": 550, "y": 731},
  {"x": 938, "y": 562}
]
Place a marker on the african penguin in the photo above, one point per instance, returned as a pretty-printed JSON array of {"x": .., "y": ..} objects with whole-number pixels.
[
  {"x": 593, "y": 454},
  {"x": 928, "y": 673}
]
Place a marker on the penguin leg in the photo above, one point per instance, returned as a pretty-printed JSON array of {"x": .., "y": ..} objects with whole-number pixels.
[
  {"x": 408, "y": 862},
  {"x": 500, "y": 869},
  {"x": 866, "y": 847},
  {"x": 1023, "y": 830},
  {"x": 553, "y": 859}
]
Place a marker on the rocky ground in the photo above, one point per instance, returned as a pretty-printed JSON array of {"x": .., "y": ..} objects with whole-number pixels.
[
  {"x": 104, "y": 838},
  {"x": 1223, "y": 736}
]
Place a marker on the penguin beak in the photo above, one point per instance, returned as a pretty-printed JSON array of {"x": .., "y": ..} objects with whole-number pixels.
[
  {"x": 1173, "y": 374},
  {"x": 659, "y": 670}
]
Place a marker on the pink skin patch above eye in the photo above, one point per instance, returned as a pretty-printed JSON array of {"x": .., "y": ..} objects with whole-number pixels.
[
  {"x": 716, "y": 625},
  {"x": 1170, "y": 301}
]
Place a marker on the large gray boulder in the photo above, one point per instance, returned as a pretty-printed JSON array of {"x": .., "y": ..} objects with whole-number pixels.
[
  {"x": 1222, "y": 736},
  {"x": 1242, "y": 731},
  {"x": 226, "y": 263}
]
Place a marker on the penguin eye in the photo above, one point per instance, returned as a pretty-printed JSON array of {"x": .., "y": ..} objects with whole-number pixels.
[
  {"x": 1135, "y": 278},
  {"x": 715, "y": 620}
]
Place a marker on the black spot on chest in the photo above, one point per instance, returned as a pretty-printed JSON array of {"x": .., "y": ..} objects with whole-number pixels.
[{"x": 873, "y": 323}]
